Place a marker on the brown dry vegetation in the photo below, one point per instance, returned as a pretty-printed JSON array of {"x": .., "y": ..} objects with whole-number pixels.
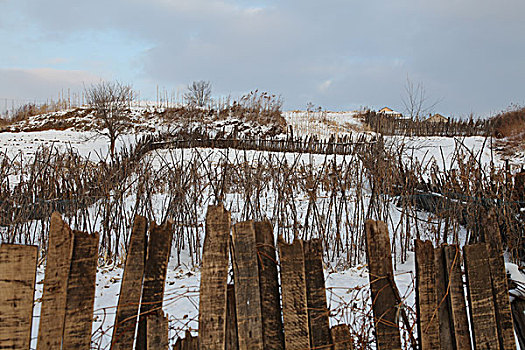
[{"x": 510, "y": 123}]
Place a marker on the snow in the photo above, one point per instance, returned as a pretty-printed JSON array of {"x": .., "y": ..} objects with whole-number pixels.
[{"x": 348, "y": 291}]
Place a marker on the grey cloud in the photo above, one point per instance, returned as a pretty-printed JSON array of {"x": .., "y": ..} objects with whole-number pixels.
[{"x": 335, "y": 53}]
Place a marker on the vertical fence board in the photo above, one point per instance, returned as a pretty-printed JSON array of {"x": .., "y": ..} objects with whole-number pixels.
[
  {"x": 482, "y": 313},
  {"x": 159, "y": 249},
  {"x": 273, "y": 336},
  {"x": 500, "y": 288},
  {"x": 81, "y": 291},
  {"x": 456, "y": 295},
  {"x": 318, "y": 313},
  {"x": 426, "y": 296},
  {"x": 214, "y": 279},
  {"x": 247, "y": 292},
  {"x": 54, "y": 295},
  {"x": 232, "y": 340},
  {"x": 157, "y": 331},
  {"x": 384, "y": 304},
  {"x": 17, "y": 285},
  {"x": 446, "y": 334},
  {"x": 293, "y": 286},
  {"x": 342, "y": 339},
  {"x": 131, "y": 288}
]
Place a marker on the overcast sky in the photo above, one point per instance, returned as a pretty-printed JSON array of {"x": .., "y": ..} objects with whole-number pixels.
[{"x": 338, "y": 54}]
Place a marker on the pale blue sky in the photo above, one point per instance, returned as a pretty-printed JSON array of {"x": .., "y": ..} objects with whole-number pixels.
[{"x": 339, "y": 54}]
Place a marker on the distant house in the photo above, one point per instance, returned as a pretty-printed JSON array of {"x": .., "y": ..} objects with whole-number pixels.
[
  {"x": 390, "y": 112},
  {"x": 437, "y": 118}
]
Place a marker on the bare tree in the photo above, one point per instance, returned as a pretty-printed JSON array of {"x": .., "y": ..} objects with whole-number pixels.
[
  {"x": 199, "y": 93},
  {"x": 110, "y": 100},
  {"x": 416, "y": 101}
]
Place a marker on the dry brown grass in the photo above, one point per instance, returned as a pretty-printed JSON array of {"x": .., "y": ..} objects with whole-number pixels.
[{"x": 510, "y": 123}]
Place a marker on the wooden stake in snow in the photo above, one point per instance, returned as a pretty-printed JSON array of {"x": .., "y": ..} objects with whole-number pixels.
[
  {"x": 131, "y": 288},
  {"x": 214, "y": 279},
  {"x": 54, "y": 295},
  {"x": 159, "y": 249},
  {"x": 293, "y": 286},
  {"x": 318, "y": 313},
  {"x": 81, "y": 291},
  {"x": 17, "y": 285},
  {"x": 426, "y": 296},
  {"x": 384, "y": 303},
  {"x": 247, "y": 292},
  {"x": 273, "y": 335}
]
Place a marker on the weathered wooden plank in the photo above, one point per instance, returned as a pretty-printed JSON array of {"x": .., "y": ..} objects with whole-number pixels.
[
  {"x": 53, "y": 310},
  {"x": 81, "y": 291},
  {"x": 158, "y": 253},
  {"x": 318, "y": 313},
  {"x": 232, "y": 340},
  {"x": 157, "y": 331},
  {"x": 247, "y": 292},
  {"x": 214, "y": 279},
  {"x": 293, "y": 287},
  {"x": 189, "y": 342},
  {"x": 482, "y": 313},
  {"x": 17, "y": 286},
  {"x": 384, "y": 304},
  {"x": 426, "y": 296},
  {"x": 500, "y": 288},
  {"x": 131, "y": 287},
  {"x": 446, "y": 334},
  {"x": 273, "y": 336},
  {"x": 342, "y": 339},
  {"x": 456, "y": 298}
]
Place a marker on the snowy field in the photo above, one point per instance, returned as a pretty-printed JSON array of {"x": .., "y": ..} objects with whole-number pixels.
[{"x": 348, "y": 291}]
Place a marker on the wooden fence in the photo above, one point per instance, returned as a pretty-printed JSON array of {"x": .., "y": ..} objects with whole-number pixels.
[{"x": 248, "y": 314}]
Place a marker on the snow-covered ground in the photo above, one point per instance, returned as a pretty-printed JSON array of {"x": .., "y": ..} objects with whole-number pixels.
[{"x": 347, "y": 288}]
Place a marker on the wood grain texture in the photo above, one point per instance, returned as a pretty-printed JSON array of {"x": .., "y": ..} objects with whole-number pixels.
[
  {"x": 426, "y": 296},
  {"x": 157, "y": 331},
  {"x": 318, "y": 313},
  {"x": 131, "y": 288},
  {"x": 81, "y": 291},
  {"x": 342, "y": 339},
  {"x": 17, "y": 286},
  {"x": 384, "y": 303},
  {"x": 293, "y": 287},
  {"x": 456, "y": 298},
  {"x": 273, "y": 336},
  {"x": 232, "y": 340},
  {"x": 53, "y": 310},
  {"x": 482, "y": 312},
  {"x": 500, "y": 289},
  {"x": 446, "y": 334},
  {"x": 214, "y": 279},
  {"x": 158, "y": 253},
  {"x": 247, "y": 292}
]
